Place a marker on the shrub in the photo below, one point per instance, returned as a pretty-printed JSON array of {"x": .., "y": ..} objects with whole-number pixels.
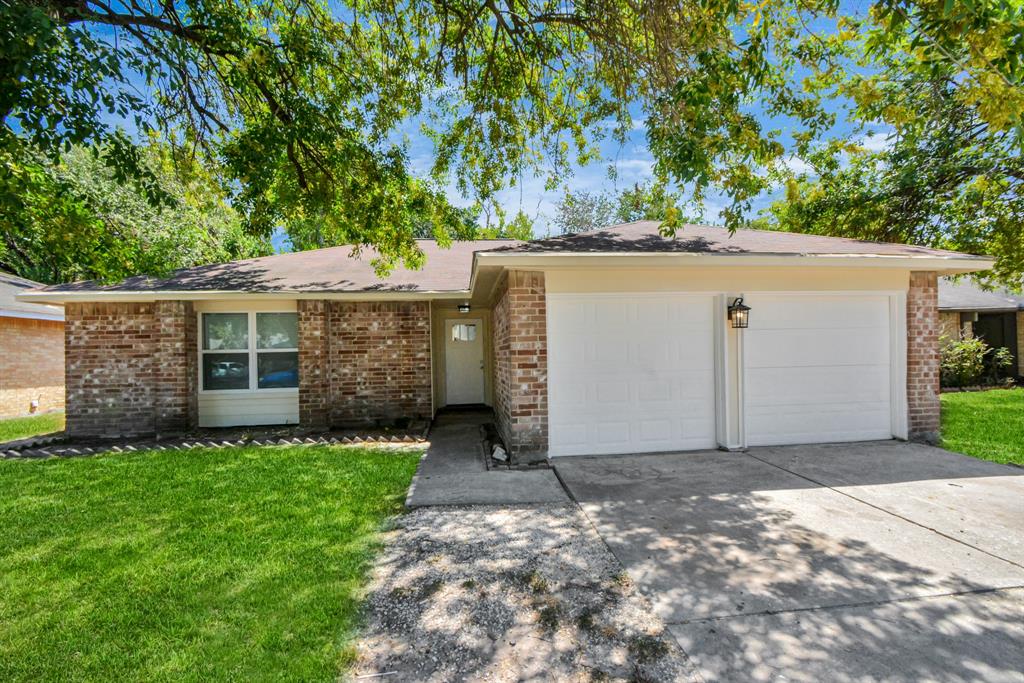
[{"x": 969, "y": 361}]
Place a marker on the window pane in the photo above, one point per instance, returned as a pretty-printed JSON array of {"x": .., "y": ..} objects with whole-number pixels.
[
  {"x": 277, "y": 330},
  {"x": 223, "y": 331},
  {"x": 463, "y": 332},
  {"x": 225, "y": 371},
  {"x": 277, "y": 370}
]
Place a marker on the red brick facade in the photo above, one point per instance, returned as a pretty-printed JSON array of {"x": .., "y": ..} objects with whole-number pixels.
[
  {"x": 521, "y": 365},
  {"x": 131, "y": 368},
  {"x": 923, "y": 356},
  {"x": 363, "y": 363},
  {"x": 31, "y": 366},
  {"x": 314, "y": 385}
]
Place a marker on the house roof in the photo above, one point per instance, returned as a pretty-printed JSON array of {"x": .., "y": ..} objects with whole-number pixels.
[
  {"x": 451, "y": 271},
  {"x": 646, "y": 237},
  {"x": 967, "y": 296},
  {"x": 10, "y": 307},
  {"x": 330, "y": 270}
]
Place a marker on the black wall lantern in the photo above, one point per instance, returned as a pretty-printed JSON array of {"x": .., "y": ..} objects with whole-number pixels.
[
  {"x": 739, "y": 314},
  {"x": 464, "y": 308}
]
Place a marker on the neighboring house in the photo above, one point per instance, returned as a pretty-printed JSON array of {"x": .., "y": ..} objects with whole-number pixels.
[
  {"x": 997, "y": 317},
  {"x": 614, "y": 341},
  {"x": 31, "y": 351}
]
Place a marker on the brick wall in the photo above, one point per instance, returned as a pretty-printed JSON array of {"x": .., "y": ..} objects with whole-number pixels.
[
  {"x": 923, "y": 356},
  {"x": 130, "y": 368},
  {"x": 949, "y": 326},
  {"x": 363, "y": 363},
  {"x": 520, "y": 365},
  {"x": 379, "y": 361},
  {"x": 314, "y": 385},
  {"x": 31, "y": 366}
]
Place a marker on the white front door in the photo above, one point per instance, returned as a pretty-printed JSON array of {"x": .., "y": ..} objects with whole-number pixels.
[
  {"x": 817, "y": 368},
  {"x": 464, "y": 361},
  {"x": 630, "y": 373}
]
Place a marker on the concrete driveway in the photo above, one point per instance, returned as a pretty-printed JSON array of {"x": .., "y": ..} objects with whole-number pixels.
[{"x": 849, "y": 562}]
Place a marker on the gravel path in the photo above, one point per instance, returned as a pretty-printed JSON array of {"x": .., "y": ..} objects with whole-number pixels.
[{"x": 528, "y": 593}]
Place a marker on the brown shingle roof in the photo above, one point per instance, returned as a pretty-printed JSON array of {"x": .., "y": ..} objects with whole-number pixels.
[
  {"x": 967, "y": 296},
  {"x": 334, "y": 269},
  {"x": 645, "y": 237},
  {"x": 10, "y": 287},
  {"x": 337, "y": 270}
]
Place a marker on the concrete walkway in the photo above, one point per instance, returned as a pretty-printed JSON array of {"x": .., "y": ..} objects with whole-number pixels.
[
  {"x": 453, "y": 470},
  {"x": 853, "y": 562}
]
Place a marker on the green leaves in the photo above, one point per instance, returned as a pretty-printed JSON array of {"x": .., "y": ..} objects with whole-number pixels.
[
  {"x": 301, "y": 105},
  {"x": 77, "y": 220}
]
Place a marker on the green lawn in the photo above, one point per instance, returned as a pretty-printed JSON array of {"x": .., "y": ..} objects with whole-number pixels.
[
  {"x": 23, "y": 427},
  {"x": 985, "y": 424},
  {"x": 223, "y": 564}
]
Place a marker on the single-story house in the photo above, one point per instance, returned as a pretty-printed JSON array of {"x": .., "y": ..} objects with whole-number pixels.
[
  {"x": 31, "y": 351},
  {"x": 612, "y": 341},
  {"x": 997, "y": 317}
]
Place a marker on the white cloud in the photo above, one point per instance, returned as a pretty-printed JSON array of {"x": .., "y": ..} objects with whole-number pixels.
[
  {"x": 798, "y": 165},
  {"x": 875, "y": 142}
]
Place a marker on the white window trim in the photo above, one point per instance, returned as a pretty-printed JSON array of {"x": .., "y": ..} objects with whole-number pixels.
[{"x": 253, "y": 352}]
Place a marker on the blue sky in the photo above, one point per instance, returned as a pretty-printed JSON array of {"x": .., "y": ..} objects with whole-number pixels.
[{"x": 631, "y": 159}]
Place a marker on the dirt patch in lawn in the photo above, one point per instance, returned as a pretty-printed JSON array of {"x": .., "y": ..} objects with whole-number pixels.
[{"x": 509, "y": 594}]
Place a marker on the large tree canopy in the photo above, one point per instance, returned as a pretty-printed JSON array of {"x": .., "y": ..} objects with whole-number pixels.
[
  {"x": 303, "y": 103},
  {"x": 75, "y": 220}
]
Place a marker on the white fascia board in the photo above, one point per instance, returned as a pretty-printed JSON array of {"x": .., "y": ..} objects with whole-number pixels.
[
  {"x": 943, "y": 264},
  {"x": 184, "y": 295},
  {"x": 30, "y": 315}
]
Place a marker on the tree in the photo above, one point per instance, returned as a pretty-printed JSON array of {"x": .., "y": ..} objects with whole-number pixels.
[
  {"x": 581, "y": 211},
  {"x": 942, "y": 178},
  {"x": 76, "y": 220},
  {"x": 300, "y": 102},
  {"x": 519, "y": 228}
]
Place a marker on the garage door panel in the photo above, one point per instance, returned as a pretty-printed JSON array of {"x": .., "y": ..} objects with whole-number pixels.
[
  {"x": 817, "y": 369},
  {"x": 828, "y": 386},
  {"x": 823, "y": 347},
  {"x": 819, "y": 312},
  {"x": 650, "y": 387}
]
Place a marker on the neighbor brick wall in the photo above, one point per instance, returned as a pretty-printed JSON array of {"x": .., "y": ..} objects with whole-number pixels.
[
  {"x": 923, "y": 356},
  {"x": 130, "y": 368},
  {"x": 949, "y": 326},
  {"x": 314, "y": 385},
  {"x": 521, "y": 365},
  {"x": 362, "y": 363},
  {"x": 31, "y": 366}
]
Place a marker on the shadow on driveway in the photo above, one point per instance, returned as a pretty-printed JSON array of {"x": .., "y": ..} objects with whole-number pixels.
[{"x": 838, "y": 562}]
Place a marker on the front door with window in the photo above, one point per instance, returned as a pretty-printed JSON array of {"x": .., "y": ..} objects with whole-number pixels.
[{"x": 464, "y": 361}]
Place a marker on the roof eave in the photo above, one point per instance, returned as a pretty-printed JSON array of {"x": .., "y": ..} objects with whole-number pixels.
[
  {"x": 30, "y": 315},
  {"x": 946, "y": 265},
  {"x": 107, "y": 296}
]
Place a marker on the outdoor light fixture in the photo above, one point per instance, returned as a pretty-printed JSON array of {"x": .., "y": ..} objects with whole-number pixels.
[
  {"x": 463, "y": 308},
  {"x": 739, "y": 314}
]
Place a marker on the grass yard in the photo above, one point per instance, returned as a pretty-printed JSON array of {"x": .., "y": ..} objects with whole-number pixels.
[
  {"x": 24, "y": 427},
  {"x": 222, "y": 564},
  {"x": 986, "y": 424}
]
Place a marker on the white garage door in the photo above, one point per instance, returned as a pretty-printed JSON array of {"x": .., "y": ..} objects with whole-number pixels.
[
  {"x": 817, "y": 369},
  {"x": 630, "y": 373}
]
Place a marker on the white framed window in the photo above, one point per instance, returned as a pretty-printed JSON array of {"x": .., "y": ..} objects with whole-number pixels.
[{"x": 249, "y": 351}]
